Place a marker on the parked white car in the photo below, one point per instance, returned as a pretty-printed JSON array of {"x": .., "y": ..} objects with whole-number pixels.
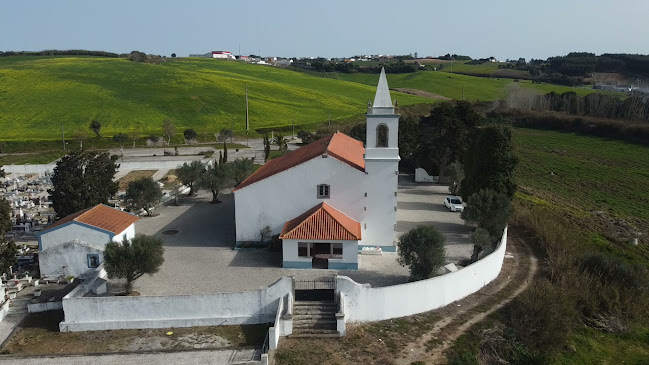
[{"x": 454, "y": 203}]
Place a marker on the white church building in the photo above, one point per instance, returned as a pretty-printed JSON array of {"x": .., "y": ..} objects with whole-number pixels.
[{"x": 328, "y": 199}]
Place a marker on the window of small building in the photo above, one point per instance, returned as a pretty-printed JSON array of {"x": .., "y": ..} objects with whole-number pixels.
[
  {"x": 382, "y": 135},
  {"x": 93, "y": 261},
  {"x": 323, "y": 191},
  {"x": 337, "y": 249},
  {"x": 303, "y": 249}
]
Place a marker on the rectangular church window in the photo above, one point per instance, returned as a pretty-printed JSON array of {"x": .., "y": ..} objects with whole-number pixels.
[
  {"x": 337, "y": 249},
  {"x": 323, "y": 191},
  {"x": 303, "y": 249}
]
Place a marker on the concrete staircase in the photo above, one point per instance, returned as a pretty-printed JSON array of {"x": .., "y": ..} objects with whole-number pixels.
[{"x": 314, "y": 319}]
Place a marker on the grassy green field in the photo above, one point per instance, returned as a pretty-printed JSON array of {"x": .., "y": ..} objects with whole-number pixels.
[
  {"x": 564, "y": 165},
  {"x": 39, "y": 94},
  {"x": 450, "y": 85}
]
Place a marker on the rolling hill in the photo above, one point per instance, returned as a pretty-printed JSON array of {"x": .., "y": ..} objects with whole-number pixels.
[
  {"x": 39, "y": 94},
  {"x": 450, "y": 85}
]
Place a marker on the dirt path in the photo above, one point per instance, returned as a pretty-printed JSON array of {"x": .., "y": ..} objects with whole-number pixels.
[
  {"x": 518, "y": 271},
  {"x": 422, "y": 93}
]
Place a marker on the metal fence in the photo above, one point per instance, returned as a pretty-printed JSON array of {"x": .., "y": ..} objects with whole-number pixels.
[{"x": 318, "y": 284}]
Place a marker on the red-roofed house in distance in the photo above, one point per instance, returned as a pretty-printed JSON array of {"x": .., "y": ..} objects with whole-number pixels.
[
  {"x": 329, "y": 199},
  {"x": 223, "y": 55},
  {"x": 75, "y": 244}
]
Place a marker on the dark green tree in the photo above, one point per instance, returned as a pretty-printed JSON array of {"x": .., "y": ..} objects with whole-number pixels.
[
  {"x": 488, "y": 209},
  {"x": 143, "y": 194},
  {"x": 215, "y": 179},
  {"x": 445, "y": 134},
  {"x": 8, "y": 250},
  {"x": 266, "y": 147},
  {"x": 96, "y": 127},
  {"x": 422, "y": 250},
  {"x": 188, "y": 174},
  {"x": 131, "y": 259},
  {"x": 481, "y": 240},
  {"x": 189, "y": 134},
  {"x": 455, "y": 175},
  {"x": 225, "y": 134},
  {"x": 409, "y": 142},
  {"x": 306, "y": 137},
  {"x": 489, "y": 162},
  {"x": 241, "y": 169},
  {"x": 173, "y": 55},
  {"x": 121, "y": 140},
  {"x": 168, "y": 129},
  {"x": 82, "y": 180},
  {"x": 225, "y": 152}
]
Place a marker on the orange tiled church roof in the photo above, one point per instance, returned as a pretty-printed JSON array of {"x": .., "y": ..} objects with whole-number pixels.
[
  {"x": 322, "y": 222},
  {"x": 338, "y": 145}
]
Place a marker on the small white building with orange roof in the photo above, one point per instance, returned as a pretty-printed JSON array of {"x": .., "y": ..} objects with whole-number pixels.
[
  {"x": 75, "y": 244},
  {"x": 328, "y": 199}
]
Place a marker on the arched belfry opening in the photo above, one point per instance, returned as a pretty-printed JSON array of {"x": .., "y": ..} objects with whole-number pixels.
[{"x": 382, "y": 135}]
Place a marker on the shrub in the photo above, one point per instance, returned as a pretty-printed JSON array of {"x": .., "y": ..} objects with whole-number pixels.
[
  {"x": 275, "y": 244},
  {"x": 489, "y": 210},
  {"x": 422, "y": 249},
  {"x": 542, "y": 317}
]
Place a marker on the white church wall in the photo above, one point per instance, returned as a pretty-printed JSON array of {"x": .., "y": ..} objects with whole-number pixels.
[
  {"x": 73, "y": 231},
  {"x": 365, "y": 304},
  {"x": 291, "y": 260},
  {"x": 286, "y": 195}
]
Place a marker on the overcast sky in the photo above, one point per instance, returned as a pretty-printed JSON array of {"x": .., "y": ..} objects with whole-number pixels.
[{"x": 479, "y": 28}]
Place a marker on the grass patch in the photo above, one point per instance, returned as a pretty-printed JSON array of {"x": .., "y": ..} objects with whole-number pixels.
[
  {"x": 39, "y": 335},
  {"x": 204, "y": 94},
  {"x": 581, "y": 175},
  {"x": 134, "y": 175},
  {"x": 452, "y": 85},
  {"x": 375, "y": 343},
  {"x": 30, "y": 158}
]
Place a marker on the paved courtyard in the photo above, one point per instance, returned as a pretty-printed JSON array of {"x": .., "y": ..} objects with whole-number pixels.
[{"x": 200, "y": 258}]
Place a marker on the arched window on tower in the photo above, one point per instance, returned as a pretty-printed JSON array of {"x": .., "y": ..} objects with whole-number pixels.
[{"x": 382, "y": 135}]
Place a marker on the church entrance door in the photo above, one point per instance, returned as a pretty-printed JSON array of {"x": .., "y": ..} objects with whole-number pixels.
[{"x": 321, "y": 253}]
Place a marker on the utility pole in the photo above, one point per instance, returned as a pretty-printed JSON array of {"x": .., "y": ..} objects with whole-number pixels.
[
  {"x": 247, "y": 117},
  {"x": 293, "y": 134},
  {"x": 63, "y": 137}
]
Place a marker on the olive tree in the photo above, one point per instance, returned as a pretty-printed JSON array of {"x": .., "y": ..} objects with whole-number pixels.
[
  {"x": 130, "y": 259},
  {"x": 143, "y": 194},
  {"x": 422, "y": 250},
  {"x": 189, "y": 174}
]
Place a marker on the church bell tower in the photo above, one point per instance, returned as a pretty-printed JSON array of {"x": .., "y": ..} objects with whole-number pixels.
[{"x": 382, "y": 167}]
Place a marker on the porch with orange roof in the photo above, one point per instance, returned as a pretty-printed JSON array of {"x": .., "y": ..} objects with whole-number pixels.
[{"x": 321, "y": 238}]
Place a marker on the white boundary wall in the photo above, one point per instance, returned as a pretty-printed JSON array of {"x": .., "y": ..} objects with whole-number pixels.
[
  {"x": 128, "y": 165},
  {"x": 365, "y": 304},
  {"x": 109, "y": 313}
]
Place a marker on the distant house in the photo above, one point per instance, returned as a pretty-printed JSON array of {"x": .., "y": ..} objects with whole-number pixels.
[
  {"x": 223, "y": 55},
  {"x": 75, "y": 244}
]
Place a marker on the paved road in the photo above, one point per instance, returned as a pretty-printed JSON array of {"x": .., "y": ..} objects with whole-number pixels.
[{"x": 228, "y": 356}]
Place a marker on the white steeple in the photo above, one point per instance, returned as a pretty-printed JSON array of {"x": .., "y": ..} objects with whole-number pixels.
[{"x": 382, "y": 98}]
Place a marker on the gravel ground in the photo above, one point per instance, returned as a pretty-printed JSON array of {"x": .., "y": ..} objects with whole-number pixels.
[{"x": 200, "y": 258}]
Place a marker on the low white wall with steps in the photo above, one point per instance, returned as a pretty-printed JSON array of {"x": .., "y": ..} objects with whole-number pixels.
[{"x": 110, "y": 313}]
